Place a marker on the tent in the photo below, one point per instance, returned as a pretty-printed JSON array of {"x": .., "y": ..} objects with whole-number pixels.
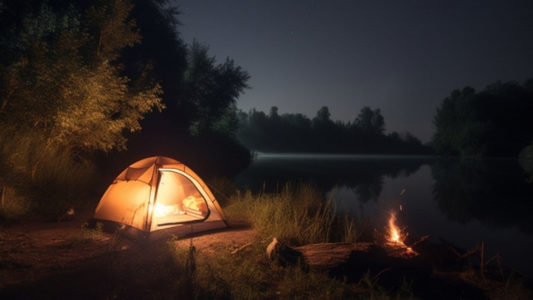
[{"x": 158, "y": 197}]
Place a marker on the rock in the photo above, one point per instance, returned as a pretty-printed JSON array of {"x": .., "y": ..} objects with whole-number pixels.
[{"x": 67, "y": 215}]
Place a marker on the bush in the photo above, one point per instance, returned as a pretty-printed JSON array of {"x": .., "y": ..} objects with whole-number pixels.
[
  {"x": 13, "y": 206},
  {"x": 45, "y": 180}
]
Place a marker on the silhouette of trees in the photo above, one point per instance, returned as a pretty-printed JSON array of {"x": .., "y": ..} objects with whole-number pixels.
[
  {"x": 298, "y": 133},
  {"x": 213, "y": 89},
  {"x": 370, "y": 120},
  {"x": 163, "y": 55},
  {"x": 494, "y": 122}
]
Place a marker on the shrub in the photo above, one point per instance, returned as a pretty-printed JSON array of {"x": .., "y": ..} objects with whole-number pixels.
[
  {"x": 13, "y": 206},
  {"x": 45, "y": 180}
]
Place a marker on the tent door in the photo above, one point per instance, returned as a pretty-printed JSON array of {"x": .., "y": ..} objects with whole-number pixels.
[{"x": 178, "y": 200}]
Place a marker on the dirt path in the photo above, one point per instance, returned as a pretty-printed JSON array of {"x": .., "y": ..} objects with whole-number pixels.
[{"x": 40, "y": 248}]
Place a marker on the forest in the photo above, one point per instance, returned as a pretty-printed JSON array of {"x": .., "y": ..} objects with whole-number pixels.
[{"x": 298, "y": 133}]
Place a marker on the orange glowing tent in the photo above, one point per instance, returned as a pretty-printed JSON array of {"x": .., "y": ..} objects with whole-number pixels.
[{"x": 158, "y": 197}]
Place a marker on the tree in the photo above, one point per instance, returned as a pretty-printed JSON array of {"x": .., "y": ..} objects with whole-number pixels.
[
  {"x": 163, "y": 55},
  {"x": 412, "y": 140},
  {"x": 62, "y": 78},
  {"x": 371, "y": 121},
  {"x": 297, "y": 120},
  {"x": 273, "y": 115},
  {"x": 212, "y": 89},
  {"x": 494, "y": 122},
  {"x": 322, "y": 117}
]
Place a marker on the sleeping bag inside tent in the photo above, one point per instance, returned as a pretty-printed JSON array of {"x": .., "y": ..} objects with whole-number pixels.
[{"x": 158, "y": 197}]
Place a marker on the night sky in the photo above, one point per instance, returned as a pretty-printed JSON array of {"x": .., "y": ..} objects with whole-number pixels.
[{"x": 403, "y": 57}]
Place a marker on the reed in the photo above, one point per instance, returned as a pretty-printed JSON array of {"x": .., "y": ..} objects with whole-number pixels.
[{"x": 298, "y": 213}]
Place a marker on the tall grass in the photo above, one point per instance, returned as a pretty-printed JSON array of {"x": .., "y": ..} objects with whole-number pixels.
[
  {"x": 12, "y": 206},
  {"x": 299, "y": 214},
  {"x": 40, "y": 179}
]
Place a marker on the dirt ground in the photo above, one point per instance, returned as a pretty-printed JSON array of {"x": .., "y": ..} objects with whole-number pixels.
[{"x": 39, "y": 248}]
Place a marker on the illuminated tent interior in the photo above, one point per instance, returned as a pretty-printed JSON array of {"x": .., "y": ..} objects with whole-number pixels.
[{"x": 158, "y": 197}]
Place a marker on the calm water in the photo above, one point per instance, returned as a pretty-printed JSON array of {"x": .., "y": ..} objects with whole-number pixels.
[{"x": 465, "y": 202}]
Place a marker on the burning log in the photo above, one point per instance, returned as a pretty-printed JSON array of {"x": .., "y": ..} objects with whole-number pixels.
[
  {"x": 323, "y": 255},
  {"x": 349, "y": 260},
  {"x": 388, "y": 253},
  {"x": 391, "y": 257}
]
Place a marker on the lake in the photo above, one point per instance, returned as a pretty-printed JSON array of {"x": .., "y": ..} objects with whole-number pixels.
[{"x": 464, "y": 201}]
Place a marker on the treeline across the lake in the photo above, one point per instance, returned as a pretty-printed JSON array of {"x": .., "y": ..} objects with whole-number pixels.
[
  {"x": 495, "y": 122},
  {"x": 298, "y": 133}
]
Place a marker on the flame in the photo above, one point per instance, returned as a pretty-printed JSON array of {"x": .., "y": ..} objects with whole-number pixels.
[
  {"x": 395, "y": 237},
  {"x": 395, "y": 234}
]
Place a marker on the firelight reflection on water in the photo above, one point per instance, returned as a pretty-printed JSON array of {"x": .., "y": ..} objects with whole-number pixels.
[{"x": 463, "y": 202}]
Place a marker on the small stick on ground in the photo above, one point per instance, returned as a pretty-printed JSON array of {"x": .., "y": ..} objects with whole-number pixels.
[{"x": 240, "y": 248}]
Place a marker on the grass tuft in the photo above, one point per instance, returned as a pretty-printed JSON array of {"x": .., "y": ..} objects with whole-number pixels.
[
  {"x": 85, "y": 235},
  {"x": 297, "y": 214}
]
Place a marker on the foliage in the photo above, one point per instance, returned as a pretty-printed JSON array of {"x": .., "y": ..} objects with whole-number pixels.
[
  {"x": 13, "y": 206},
  {"x": 63, "y": 82},
  {"x": 161, "y": 54},
  {"x": 213, "y": 89},
  {"x": 59, "y": 182},
  {"x": 494, "y": 122},
  {"x": 85, "y": 235},
  {"x": 370, "y": 120},
  {"x": 297, "y": 133}
]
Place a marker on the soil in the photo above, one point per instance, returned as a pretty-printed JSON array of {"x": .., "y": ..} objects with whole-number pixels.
[{"x": 41, "y": 248}]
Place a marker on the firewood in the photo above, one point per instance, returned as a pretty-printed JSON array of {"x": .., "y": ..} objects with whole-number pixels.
[{"x": 351, "y": 260}]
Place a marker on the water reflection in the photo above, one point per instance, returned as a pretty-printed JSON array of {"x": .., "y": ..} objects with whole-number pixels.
[
  {"x": 364, "y": 174},
  {"x": 495, "y": 192},
  {"x": 463, "y": 201}
]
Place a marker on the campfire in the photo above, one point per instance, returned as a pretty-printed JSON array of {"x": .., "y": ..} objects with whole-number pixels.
[
  {"x": 392, "y": 239},
  {"x": 393, "y": 255}
]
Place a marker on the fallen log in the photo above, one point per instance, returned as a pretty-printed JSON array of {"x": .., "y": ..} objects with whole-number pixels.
[{"x": 349, "y": 260}]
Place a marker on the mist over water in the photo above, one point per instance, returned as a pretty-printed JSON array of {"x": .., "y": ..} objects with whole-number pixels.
[{"x": 465, "y": 202}]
